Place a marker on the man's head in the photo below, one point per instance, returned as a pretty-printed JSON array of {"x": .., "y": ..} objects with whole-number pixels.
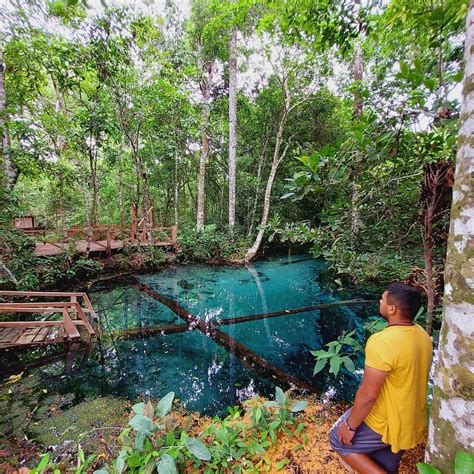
[{"x": 400, "y": 301}]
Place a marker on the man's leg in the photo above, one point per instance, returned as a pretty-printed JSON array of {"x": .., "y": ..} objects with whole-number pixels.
[
  {"x": 386, "y": 459},
  {"x": 357, "y": 454},
  {"x": 363, "y": 464}
]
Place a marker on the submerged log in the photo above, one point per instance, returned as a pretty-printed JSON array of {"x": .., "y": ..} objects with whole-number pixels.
[
  {"x": 177, "y": 328},
  {"x": 303, "y": 309},
  {"x": 246, "y": 356}
]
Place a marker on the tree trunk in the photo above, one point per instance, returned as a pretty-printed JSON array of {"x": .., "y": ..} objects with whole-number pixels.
[
  {"x": 450, "y": 427},
  {"x": 94, "y": 186},
  {"x": 358, "y": 76},
  {"x": 10, "y": 169},
  {"x": 232, "y": 127},
  {"x": 176, "y": 191},
  {"x": 206, "y": 84},
  {"x": 261, "y": 165}
]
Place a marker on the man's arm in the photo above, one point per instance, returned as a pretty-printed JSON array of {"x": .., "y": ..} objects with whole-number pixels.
[{"x": 364, "y": 400}]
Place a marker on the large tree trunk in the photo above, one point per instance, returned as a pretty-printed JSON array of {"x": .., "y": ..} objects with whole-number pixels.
[
  {"x": 450, "y": 427},
  {"x": 358, "y": 76},
  {"x": 10, "y": 169},
  {"x": 206, "y": 84},
  {"x": 232, "y": 127}
]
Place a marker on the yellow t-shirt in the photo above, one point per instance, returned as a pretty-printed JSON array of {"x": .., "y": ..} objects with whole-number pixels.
[{"x": 399, "y": 412}]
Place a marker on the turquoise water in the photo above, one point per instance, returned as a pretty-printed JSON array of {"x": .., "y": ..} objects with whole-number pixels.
[{"x": 206, "y": 376}]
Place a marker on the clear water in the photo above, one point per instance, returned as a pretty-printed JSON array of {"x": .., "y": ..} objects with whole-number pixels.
[{"x": 204, "y": 375}]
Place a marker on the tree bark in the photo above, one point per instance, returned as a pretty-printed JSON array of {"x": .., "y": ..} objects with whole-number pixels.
[
  {"x": 11, "y": 170},
  {"x": 206, "y": 84},
  {"x": 450, "y": 427},
  {"x": 358, "y": 76},
  {"x": 232, "y": 127},
  {"x": 176, "y": 191}
]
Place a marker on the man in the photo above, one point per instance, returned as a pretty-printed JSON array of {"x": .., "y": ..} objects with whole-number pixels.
[{"x": 388, "y": 415}]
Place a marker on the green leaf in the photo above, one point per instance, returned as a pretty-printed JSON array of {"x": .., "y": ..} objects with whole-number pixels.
[
  {"x": 138, "y": 408},
  {"x": 142, "y": 424},
  {"x": 284, "y": 462},
  {"x": 166, "y": 465},
  {"x": 335, "y": 364},
  {"x": 198, "y": 449},
  {"x": 121, "y": 460},
  {"x": 280, "y": 396},
  {"x": 101, "y": 471},
  {"x": 424, "y": 468},
  {"x": 43, "y": 463},
  {"x": 464, "y": 463},
  {"x": 164, "y": 405},
  {"x": 320, "y": 364},
  {"x": 348, "y": 363},
  {"x": 299, "y": 406},
  {"x": 270, "y": 404},
  {"x": 258, "y": 415}
]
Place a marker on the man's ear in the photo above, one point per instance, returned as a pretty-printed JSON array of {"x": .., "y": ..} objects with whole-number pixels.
[{"x": 392, "y": 309}]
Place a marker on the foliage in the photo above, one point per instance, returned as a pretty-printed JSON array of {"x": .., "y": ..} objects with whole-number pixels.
[
  {"x": 33, "y": 272},
  {"x": 340, "y": 352},
  {"x": 152, "y": 442},
  {"x": 463, "y": 464},
  {"x": 209, "y": 244}
]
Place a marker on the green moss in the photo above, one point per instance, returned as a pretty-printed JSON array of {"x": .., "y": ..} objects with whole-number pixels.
[
  {"x": 81, "y": 423},
  {"x": 444, "y": 437}
]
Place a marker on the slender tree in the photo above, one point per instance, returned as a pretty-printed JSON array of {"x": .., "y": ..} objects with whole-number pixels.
[
  {"x": 450, "y": 426},
  {"x": 10, "y": 168},
  {"x": 232, "y": 126}
]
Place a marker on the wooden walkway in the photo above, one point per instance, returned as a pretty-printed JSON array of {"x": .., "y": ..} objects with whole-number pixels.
[
  {"x": 80, "y": 246},
  {"x": 73, "y": 319}
]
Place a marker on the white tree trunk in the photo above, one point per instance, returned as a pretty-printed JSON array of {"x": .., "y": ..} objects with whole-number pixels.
[
  {"x": 206, "y": 84},
  {"x": 450, "y": 426},
  {"x": 232, "y": 127}
]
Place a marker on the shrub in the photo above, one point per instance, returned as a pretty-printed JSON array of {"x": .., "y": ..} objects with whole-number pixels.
[
  {"x": 152, "y": 441},
  {"x": 210, "y": 244}
]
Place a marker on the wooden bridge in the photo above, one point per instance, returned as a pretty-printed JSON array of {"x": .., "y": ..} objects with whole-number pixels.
[
  {"x": 99, "y": 238},
  {"x": 77, "y": 318}
]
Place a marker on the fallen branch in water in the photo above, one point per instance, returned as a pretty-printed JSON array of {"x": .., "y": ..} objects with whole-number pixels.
[
  {"x": 246, "y": 356},
  {"x": 177, "y": 328}
]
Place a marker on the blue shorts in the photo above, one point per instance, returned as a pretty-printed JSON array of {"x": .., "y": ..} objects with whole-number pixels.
[{"x": 366, "y": 441}]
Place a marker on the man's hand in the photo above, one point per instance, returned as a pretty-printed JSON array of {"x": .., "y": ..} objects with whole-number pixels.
[{"x": 345, "y": 436}]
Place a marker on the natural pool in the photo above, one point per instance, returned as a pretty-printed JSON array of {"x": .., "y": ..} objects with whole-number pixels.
[{"x": 205, "y": 375}]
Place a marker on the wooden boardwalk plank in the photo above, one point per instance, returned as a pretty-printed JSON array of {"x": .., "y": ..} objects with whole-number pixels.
[
  {"x": 9, "y": 334},
  {"x": 41, "y": 335}
]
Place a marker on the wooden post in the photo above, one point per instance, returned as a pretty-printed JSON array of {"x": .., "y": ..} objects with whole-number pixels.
[
  {"x": 109, "y": 243},
  {"x": 133, "y": 213},
  {"x": 174, "y": 234}
]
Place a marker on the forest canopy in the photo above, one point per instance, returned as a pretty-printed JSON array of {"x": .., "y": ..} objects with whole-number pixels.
[{"x": 326, "y": 123}]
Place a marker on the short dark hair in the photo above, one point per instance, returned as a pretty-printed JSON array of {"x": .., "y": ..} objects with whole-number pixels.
[{"x": 405, "y": 297}]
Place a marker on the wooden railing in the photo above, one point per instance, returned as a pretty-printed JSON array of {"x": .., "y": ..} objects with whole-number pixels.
[
  {"x": 20, "y": 333},
  {"x": 105, "y": 236}
]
